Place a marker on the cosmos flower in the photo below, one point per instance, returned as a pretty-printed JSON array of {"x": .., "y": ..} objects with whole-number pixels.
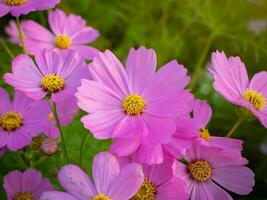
[
  {"x": 23, "y": 7},
  {"x": 56, "y": 75},
  {"x": 20, "y": 120},
  {"x": 137, "y": 104},
  {"x": 68, "y": 32},
  {"x": 211, "y": 169},
  {"x": 201, "y": 116},
  {"x": 159, "y": 182},
  {"x": 66, "y": 110},
  {"x": 231, "y": 81},
  {"x": 12, "y": 31},
  {"x": 28, "y": 185},
  {"x": 110, "y": 182}
]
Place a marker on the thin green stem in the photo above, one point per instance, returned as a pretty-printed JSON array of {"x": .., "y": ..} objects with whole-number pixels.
[
  {"x": 7, "y": 49},
  {"x": 55, "y": 113},
  {"x": 236, "y": 125},
  {"x": 81, "y": 148},
  {"x": 22, "y": 159},
  {"x": 201, "y": 60},
  {"x": 21, "y": 36}
]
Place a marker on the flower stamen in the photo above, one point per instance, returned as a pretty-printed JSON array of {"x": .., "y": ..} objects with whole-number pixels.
[
  {"x": 11, "y": 121},
  {"x": 255, "y": 98},
  {"x": 52, "y": 83},
  {"x": 146, "y": 192},
  {"x": 15, "y": 2},
  {"x": 24, "y": 196},
  {"x": 200, "y": 170},
  {"x": 133, "y": 105},
  {"x": 204, "y": 133},
  {"x": 101, "y": 197},
  {"x": 62, "y": 41}
]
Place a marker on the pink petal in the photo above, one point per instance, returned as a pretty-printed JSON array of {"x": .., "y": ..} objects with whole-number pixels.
[
  {"x": 124, "y": 146},
  {"x": 108, "y": 70},
  {"x": 87, "y": 52},
  {"x": 202, "y": 112},
  {"x": 45, "y": 185},
  {"x": 18, "y": 139},
  {"x": 127, "y": 183},
  {"x": 238, "y": 179},
  {"x": 57, "y": 20},
  {"x": 76, "y": 182},
  {"x": 3, "y": 138},
  {"x": 227, "y": 143},
  {"x": 105, "y": 170},
  {"x": 140, "y": 68},
  {"x": 31, "y": 178},
  {"x": 259, "y": 83},
  {"x": 12, "y": 183},
  {"x": 85, "y": 35},
  {"x": 4, "y": 9},
  {"x": 57, "y": 196},
  {"x": 5, "y": 102}
]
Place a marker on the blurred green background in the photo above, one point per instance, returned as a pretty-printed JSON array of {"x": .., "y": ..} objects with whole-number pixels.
[{"x": 187, "y": 30}]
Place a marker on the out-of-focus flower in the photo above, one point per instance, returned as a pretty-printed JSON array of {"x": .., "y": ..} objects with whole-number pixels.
[
  {"x": 263, "y": 146},
  {"x": 231, "y": 81},
  {"x": 23, "y": 7},
  {"x": 66, "y": 110},
  {"x": 68, "y": 32},
  {"x": 257, "y": 26},
  {"x": 201, "y": 116},
  {"x": 209, "y": 169},
  {"x": 20, "y": 120},
  {"x": 49, "y": 146},
  {"x": 28, "y": 185},
  {"x": 110, "y": 182},
  {"x": 12, "y": 31},
  {"x": 57, "y": 74},
  {"x": 142, "y": 103},
  {"x": 2, "y": 151}
]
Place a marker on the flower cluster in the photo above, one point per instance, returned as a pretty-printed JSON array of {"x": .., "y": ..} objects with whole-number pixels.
[{"x": 161, "y": 146}]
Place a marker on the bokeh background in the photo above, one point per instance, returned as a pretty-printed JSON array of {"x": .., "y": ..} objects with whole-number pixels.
[{"x": 187, "y": 30}]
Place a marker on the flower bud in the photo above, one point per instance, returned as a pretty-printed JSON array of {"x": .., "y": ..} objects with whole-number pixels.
[{"x": 49, "y": 146}]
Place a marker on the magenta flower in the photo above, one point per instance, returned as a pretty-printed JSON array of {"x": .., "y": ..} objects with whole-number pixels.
[
  {"x": 201, "y": 116},
  {"x": 160, "y": 183},
  {"x": 110, "y": 182},
  {"x": 136, "y": 103},
  {"x": 57, "y": 74},
  {"x": 26, "y": 185},
  {"x": 211, "y": 169},
  {"x": 68, "y": 32},
  {"x": 20, "y": 120},
  {"x": 66, "y": 110},
  {"x": 231, "y": 81},
  {"x": 23, "y": 7}
]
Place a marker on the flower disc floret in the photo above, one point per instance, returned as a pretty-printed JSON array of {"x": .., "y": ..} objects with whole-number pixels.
[
  {"x": 15, "y": 2},
  {"x": 62, "y": 41},
  {"x": 255, "y": 98},
  {"x": 24, "y": 196},
  {"x": 52, "y": 83},
  {"x": 133, "y": 104},
  {"x": 200, "y": 170},
  {"x": 204, "y": 133},
  {"x": 11, "y": 121},
  {"x": 146, "y": 192},
  {"x": 101, "y": 197}
]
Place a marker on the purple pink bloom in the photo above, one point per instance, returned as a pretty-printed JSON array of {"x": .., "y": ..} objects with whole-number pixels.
[
  {"x": 211, "y": 169},
  {"x": 66, "y": 110},
  {"x": 110, "y": 181},
  {"x": 26, "y": 185},
  {"x": 68, "y": 32},
  {"x": 20, "y": 120},
  {"x": 55, "y": 74},
  {"x": 136, "y": 104},
  {"x": 23, "y": 7},
  {"x": 231, "y": 81}
]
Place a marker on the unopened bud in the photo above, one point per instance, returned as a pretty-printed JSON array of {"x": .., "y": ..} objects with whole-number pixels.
[{"x": 49, "y": 146}]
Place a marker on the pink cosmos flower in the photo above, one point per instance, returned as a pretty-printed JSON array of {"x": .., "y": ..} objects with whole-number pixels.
[
  {"x": 211, "y": 169},
  {"x": 12, "y": 31},
  {"x": 159, "y": 182},
  {"x": 201, "y": 116},
  {"x": 110, "y": 182},
  {"x": 57, "y": 74},
  {"x": 23, "y": 7},
  {"x": 66, "y": 110},
  {"x": 26, "y": 185},
  {"x": 231, "y": 81},
  {"x": 68, "y": 32},
  {"x": 20, "y": 120},
  {"x": 137, "y": 104}
]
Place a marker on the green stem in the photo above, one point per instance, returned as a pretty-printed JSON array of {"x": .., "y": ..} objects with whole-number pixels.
[
  {"x": 7, "y": 48},
  {"x": 22, "y": 159},
  {"x": 21, "y": 36},
  {"x": 236, "y": 125},
  {"x": 201, "y": 60},
  {"x": 55, "y": 113},
  {"x": 81, "y": 148}
]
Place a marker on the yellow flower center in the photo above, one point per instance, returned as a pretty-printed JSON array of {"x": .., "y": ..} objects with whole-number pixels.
[
  {"x": 101, "y": 197},
  {"x": 15, "y": 2},
  {"x": 52, "y": 83},
  {"x": 11, "y": 121},
  {"x": 51, "y": 117},
  {"x": 133, "y": 105},
  {"x": 255, "y": 98},
  {"x": 24, "y": 196},
  {"x": 200, "y": 170},
  {"x": 204, "y": 133},
  {"x": 62, "y": 41},
  {"x": 146, "y": 192}
]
